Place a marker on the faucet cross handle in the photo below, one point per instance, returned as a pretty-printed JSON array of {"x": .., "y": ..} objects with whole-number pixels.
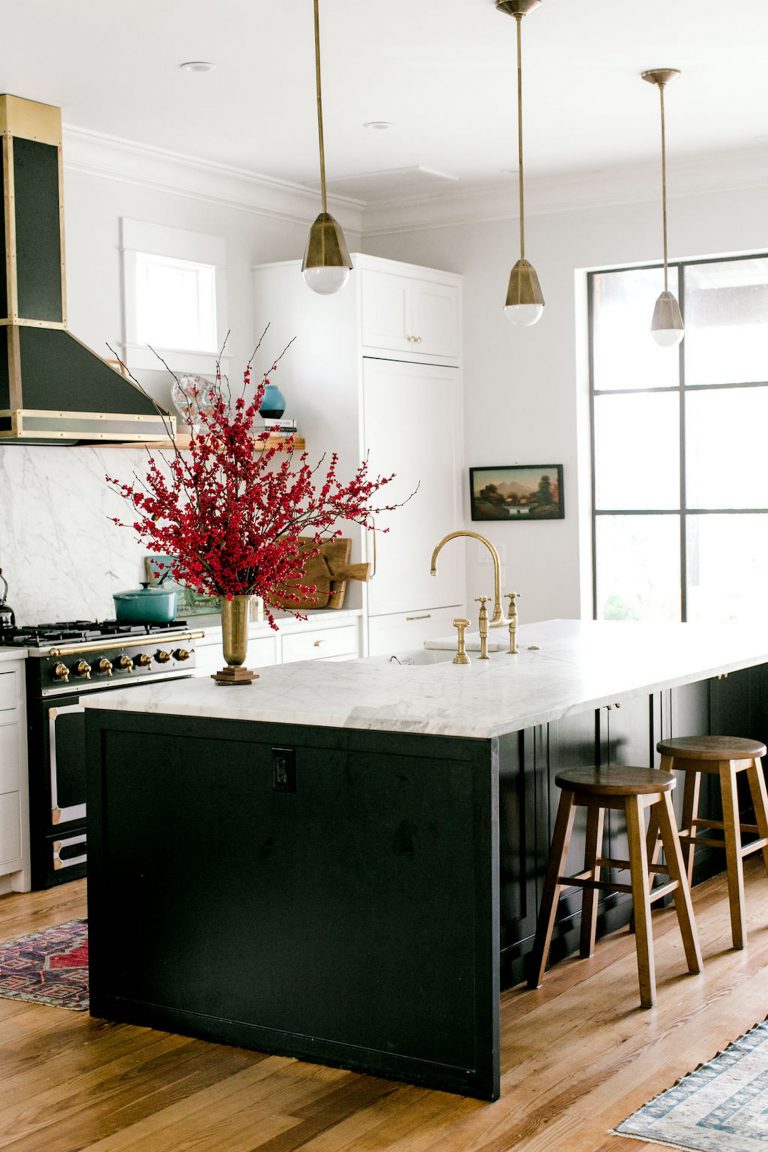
[
  {"x": 513, "y": 614},
  {"x": 482, "y": 601}
]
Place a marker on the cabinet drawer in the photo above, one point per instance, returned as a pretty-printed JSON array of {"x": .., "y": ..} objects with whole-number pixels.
[
  {"x": 9, "y": 758},
  {"x": 320, "y": 644},
  {"x": 8, "y": 691},
  {"x": 399, "y": 633},
  {"x": 10, "y": 827},
  {"x": 262, "y": 653}
]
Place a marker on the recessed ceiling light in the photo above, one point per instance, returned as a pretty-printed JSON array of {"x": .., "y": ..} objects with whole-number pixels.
[
  {"x": 197, "y": 66},
  {"x": 378, "y": 125}
]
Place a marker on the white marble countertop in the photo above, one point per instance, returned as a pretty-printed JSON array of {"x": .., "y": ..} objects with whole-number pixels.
[{"x": 563, "y": 667}]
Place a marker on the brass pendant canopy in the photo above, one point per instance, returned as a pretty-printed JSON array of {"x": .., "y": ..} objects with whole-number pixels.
[
  {"x": 525, "y": 300},
  {"x": 327, "y": 263},
  {"x": 667, "y": 327}
]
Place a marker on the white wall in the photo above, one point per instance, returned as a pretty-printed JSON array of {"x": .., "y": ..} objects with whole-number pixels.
[
  {"x": 59, "y": 551},
  {"x": 525, "y": 389}
]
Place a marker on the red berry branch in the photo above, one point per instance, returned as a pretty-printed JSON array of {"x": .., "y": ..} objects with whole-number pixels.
[{"x": 231, "y": 508}]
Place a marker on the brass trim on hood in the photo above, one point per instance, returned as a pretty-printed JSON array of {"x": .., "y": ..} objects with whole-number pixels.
[{"x": 44, "y": 368}]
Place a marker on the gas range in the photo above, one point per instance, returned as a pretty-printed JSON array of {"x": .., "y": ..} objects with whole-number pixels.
[
  {"x": 93, "y": 655},
  {"x": 65, "y": 661}
]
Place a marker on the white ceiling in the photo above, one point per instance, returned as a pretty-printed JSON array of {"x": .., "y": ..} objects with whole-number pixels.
[{"x": 442, "y": 71}]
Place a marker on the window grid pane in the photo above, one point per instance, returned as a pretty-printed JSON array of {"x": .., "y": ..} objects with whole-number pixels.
[{"x": 707, "y": 471}]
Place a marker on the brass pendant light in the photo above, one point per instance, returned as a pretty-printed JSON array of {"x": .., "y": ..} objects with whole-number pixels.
[
  {"x": 667, "y": 323},
  {"x": 327, "y": 263},
  {"x": 525, "y": 301}
]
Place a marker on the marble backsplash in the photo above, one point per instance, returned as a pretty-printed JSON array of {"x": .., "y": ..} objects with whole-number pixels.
[{"x": 59, "y": 551}]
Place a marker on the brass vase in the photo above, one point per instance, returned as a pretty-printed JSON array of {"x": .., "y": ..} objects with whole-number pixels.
[{"x": 235, "y": 617}]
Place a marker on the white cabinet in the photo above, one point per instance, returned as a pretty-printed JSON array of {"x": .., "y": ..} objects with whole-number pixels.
[
  {"x": 334, "y": 635},
  {"x": 376, "y": 369},
  {"x": 411, "y": 314},
  {"x": 412, "y": 426},
  {"x": 14, "y": 804}
]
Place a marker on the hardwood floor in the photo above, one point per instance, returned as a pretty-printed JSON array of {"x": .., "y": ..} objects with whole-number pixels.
[{"x": 578, "y": 1056}]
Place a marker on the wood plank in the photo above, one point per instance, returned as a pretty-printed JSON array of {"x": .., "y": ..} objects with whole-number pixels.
[{"x": 578, "y": 1056}]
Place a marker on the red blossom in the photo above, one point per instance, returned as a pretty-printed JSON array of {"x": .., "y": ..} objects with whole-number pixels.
[{"x": 230, "y": 510}]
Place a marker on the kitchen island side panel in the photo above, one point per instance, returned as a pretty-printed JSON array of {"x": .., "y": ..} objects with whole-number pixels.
[{"x": 335, "y": 900}]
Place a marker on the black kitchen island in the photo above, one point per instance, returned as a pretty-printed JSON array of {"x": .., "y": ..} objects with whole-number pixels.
[{"x": 342, "y": 863}]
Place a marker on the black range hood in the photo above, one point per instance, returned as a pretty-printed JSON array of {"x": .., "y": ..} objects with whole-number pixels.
[{"x": 53, "y": 389}]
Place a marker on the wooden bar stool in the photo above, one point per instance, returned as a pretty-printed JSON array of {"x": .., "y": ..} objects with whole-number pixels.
[
  {"x": 725, "y": 757},
  {"x": 630, "y": 790}
]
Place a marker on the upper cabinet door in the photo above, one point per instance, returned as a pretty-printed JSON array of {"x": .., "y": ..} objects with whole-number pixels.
[{"x": 414, "y": 318}]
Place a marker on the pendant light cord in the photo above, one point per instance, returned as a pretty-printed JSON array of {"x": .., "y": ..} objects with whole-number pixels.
[
  {"x": 664, "y": 189},
  {"x": 519, "y": 23},
  {"x": 320, "y": 107}
]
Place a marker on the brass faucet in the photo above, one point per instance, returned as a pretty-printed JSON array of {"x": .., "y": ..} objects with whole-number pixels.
[
  {"x": 497, "y": 619},
  {"x": 482, "y": 601}
]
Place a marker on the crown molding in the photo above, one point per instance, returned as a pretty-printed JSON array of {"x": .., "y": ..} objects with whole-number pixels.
[
  {"x": 569, "y": 192},
  {"x": 109, "y": 157}
]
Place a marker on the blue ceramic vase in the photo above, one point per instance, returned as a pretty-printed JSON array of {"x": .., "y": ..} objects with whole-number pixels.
[{"x": 272, "y": 404}]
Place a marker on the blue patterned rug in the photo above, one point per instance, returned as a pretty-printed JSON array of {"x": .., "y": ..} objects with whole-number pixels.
[{"x": 721, "y": 1107}]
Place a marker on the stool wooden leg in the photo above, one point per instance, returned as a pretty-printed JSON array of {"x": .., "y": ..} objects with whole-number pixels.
[
  {"x": 732, "y": 837},
  {"x": 690, "y": 812},
  {"x": 558, "y": 856},
  {"x": 682, "y": 894},
  {"x": 638, "y": 864},
  {"x": 595, "y": 819},
  {"x": 759, "y": 802}
]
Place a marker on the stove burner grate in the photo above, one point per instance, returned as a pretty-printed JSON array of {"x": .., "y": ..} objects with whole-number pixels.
[{"x": 80, "y": 632}]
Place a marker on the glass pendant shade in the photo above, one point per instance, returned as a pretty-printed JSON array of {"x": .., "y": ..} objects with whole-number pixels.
[
  {"x": 667, "y": 324},
  {"x": 327, "y": 262},
  {"x": 525, "y": 300}
]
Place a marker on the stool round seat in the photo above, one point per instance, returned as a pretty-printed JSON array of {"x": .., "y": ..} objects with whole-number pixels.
[
  {"x": 711, "y": 748},
  {"x": 725, "y": 758},
  {"x": 633, "y": 792},
  {"x": 617, "y": 780}
]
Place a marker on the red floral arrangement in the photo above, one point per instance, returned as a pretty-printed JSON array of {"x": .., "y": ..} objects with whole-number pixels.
[{"x": 230, "y": 510}]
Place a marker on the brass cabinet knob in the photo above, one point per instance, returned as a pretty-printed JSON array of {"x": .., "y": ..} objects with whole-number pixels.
[
  {"x": 104, "y": 666},
  {"x": 143, "y": 660},
  {"x": 124, "y": 663},
  {"x": 181, "y": 654},
  {"x": 82, "y": 669},
  {"x": 162, "y": 656},
  {"x": 60, "y": 672}
]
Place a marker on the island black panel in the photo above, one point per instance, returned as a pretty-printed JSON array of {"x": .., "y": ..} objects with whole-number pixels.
[{"x": 319, "y": 893}]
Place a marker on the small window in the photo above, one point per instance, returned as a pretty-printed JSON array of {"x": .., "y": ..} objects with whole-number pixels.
[{"x": 173, "y": 297}]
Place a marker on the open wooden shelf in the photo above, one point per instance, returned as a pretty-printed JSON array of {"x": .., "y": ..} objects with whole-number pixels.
[{"x": 182, "y": 441}]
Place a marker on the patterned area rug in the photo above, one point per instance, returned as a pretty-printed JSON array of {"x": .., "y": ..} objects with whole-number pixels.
[
  {"x": 48, "y": 967},
  {"x": 721, "y": 1107}
]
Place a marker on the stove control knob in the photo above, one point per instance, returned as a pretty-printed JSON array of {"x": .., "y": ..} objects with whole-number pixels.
[
  {"x": 60, "y": 672},
  {"x": 143, "y": 660},
  {"x": 82, "y": 669},
  {"x": 181, "y": 654},
  {"x": 162, "y": 656},
  {"x": 124, "y": 663},
  {"x": 104, "y": 666}
]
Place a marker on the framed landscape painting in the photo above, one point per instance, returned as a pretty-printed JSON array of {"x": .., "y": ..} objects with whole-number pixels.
[{"x": 517, "y": 492}]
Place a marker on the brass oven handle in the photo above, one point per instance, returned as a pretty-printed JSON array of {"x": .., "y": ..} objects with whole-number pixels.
[{"x": 117, "y": 642}]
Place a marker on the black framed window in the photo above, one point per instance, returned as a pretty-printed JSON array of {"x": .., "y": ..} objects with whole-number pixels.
[{"x": 679, "y": 438}]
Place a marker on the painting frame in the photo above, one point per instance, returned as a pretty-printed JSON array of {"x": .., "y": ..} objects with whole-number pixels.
[{"x": 515, "y": 493}]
